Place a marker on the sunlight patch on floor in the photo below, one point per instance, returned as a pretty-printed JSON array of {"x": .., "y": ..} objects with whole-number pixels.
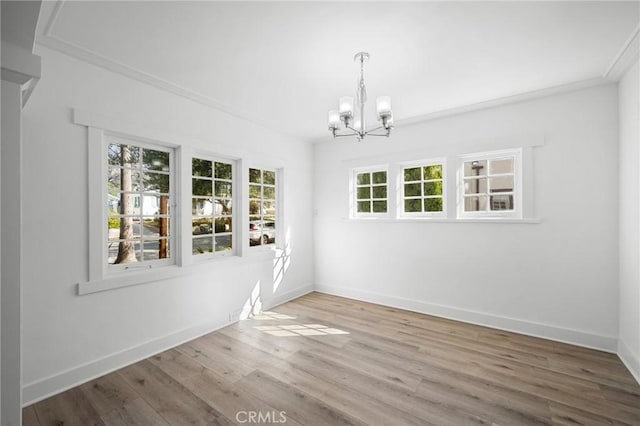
[{"x": 291, "y": 330}]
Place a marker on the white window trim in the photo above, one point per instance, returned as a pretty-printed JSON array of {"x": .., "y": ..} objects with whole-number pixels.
[
  {"x": 353, "y": 197},
  {"x": 236, "y": 217},
  {"x": 99, "y": 268},
  {"x": 445, "y": 183},
  {"x": 517, "y": 212}
]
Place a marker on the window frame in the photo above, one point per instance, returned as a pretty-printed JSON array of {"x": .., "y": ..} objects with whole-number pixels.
[
  {"x": 518, "y": 193},
  {"x": 236, "y": 217},
  {"x": 99, "y": 266},
  {"x": 354, "y": 191},
  {"x": 442, "y": 161}
]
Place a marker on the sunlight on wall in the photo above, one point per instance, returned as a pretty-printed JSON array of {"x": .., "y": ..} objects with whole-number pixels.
[
  {"x": 253, "y": 305},
  {"x": 281, "y": 261}
]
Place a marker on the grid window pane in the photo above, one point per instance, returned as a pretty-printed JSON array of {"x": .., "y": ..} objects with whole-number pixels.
[
  {"x": 202, "y": 245},
  {"x": 412, "y": 174},
  {"x": 433, "y": 188},
  {"x": 433, "y": 204},
  {"x": 433, "y": 172},
  {"x": 475, "y": 186},
  {"x": 475, "y": 203},
  {"x": 211, "y": 215},
  {"x": 475, "y": 168},
  {"x": 364, "y": 207},
  {"x": 223, "y": 171},
  {"x": 364, "y": 178},
  {"x": 379, "y": 177},
  {"x": 379, "y": 206},
  {"x": 501, "y": 166},
  {"x": 380, "y": 191},
  {"x": 138, "y": 203},
  {"x": 413, "y": 205},
  {"x": 501, "y": 184},
  {"x": 364, "y": 193},
  {"x": 200, "y": 167},
  {"x": 424, "y": 192},
  {"x": 262, "y": 209}
]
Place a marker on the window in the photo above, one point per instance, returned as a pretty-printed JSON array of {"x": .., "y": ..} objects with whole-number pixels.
[
  {"x": 211, "y": 206},
  {"x": 140, "y": 216},
  {"x": 262, "y": 207},
  {"x": 370, "y": 192},
  {"x": 490, "y": 184},
  {"x": 423, "y": 189}
]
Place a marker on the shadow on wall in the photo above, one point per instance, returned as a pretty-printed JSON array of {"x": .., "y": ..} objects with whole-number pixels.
[{"x": 281, "y": 263}]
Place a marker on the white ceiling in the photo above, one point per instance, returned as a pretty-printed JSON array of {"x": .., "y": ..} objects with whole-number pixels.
[{"x": 284, "y": 64}]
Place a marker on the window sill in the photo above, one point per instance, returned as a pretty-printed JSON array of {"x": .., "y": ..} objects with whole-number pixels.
[
  {"x": 146, "y": 276},
  {"x": 445, "y": 220}
]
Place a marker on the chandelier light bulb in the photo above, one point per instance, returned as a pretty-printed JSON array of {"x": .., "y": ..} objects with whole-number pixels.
[
  {"x": 383, "y": 105},
  {"x": 334, "y": 120}
]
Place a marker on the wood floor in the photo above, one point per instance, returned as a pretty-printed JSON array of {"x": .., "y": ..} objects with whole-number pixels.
[{"x": 325, "y": 360}]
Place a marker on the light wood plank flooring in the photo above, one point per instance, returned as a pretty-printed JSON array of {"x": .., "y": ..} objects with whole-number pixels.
[{"x": 325, "y": 360}]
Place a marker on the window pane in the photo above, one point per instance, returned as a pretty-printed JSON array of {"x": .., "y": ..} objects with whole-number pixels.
[
  {"x": 475, "y": 203},
  {"x": 475, "y": 168},
  {"x": 501, "y": 184},
  {"x": 201, "y": 167},
  {"x": 223, "y": 171},
  {"x": 255, "y": 176},
  {"x": 412, "y": 190},
  {"x": 223, "y": 189},
  {"x": 155, "y": 227},
  {"x": 379, "y": 206},
  {"x": 123, "y": 155},
  {"x": 364, "y": 178},
  {"x": 502, "y": 202},
  {"x": 501, "y": 166},
  {"x": 126, "y": 180},
  {"x": 413, "y": 206},
  {"x": 433, "y": 172},
  {"x": 201, "y": 187},
  {"x": 412, "y": 174},
  {"x": 202, "y": 245},
  {"x": 254, "y": 191},
  {"x": 156, "y": 249},
  {"x": 475, "y": 186},
  {"x": 433, "y": 188},
  {"x": 224, "y": 243},
  {"x": 155, "y": 182},
  {"x": 201, "y": 226},
  {"x": 269, "y": 193},
  {"x": 153, "y": 205},
  {"x": 223, "y": 206},
  {"x": 269, "y": 177},
  {"x": 223, "y": 224},
  {"x": 155, "y": 160},
  {"x": 380, "y": 191},
  {"x": 379, "y": 177},
  {"x": 364, "y": 207},
  {"x": 268, "y": 207},
  {"x": 433, "y": 204},
  {"x": 364, "y": 193},
  {"x": 124, "y": 252},
  {"x": 254, "y": 207},
  {"x": 201, "y": 206}
]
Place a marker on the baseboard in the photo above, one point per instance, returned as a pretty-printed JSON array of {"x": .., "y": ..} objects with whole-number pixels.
[
  {"x": 44, "y": 388},
  {"x": 279, "y": 299},
  {"x": 565, "y": 335},
  {"x": 630, "y": 359}
]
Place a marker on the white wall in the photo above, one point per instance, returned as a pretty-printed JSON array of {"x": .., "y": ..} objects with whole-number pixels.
[
  {"x": 629, "y": 110},
  {"x": 557, "y": 279},
  {"x": 67, "y": 338}
]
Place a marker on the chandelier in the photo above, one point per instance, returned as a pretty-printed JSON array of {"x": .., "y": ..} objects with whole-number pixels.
[{"x": 355, "y": 125}]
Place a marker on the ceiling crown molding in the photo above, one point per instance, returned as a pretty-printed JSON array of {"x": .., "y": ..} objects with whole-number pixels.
[
  {"x": 627, "y": 56},
  {"x": 45, "y": 38}
]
